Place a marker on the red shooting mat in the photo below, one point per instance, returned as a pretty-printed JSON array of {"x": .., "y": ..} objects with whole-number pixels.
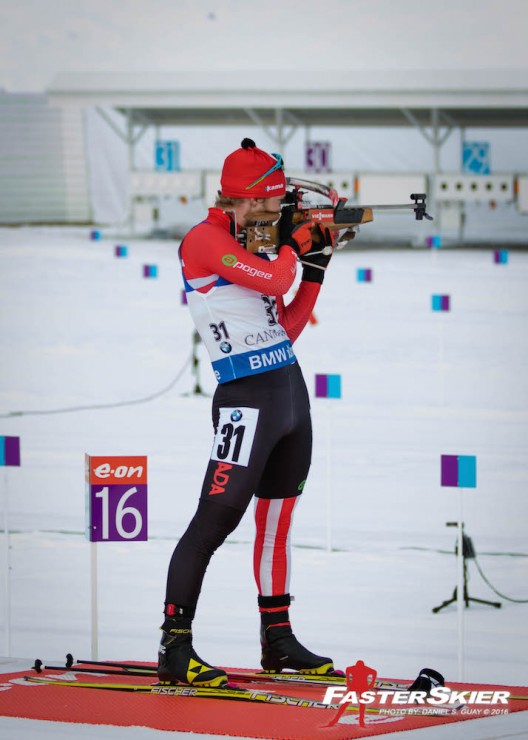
[{"x": 215, "y": 716}]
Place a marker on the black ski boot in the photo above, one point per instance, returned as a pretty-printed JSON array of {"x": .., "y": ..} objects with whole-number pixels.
[
  {"x": 280, "y": 647},
  {"x": 178, "y": 661}
]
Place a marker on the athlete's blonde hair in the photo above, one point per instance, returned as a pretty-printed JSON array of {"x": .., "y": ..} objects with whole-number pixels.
[{"x": 225, "y": 203}]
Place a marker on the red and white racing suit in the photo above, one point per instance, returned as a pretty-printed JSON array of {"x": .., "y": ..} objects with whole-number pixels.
[{"x": 261, "y": 411}]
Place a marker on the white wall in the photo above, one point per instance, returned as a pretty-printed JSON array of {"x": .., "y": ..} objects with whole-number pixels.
[{"x": 42, "y": 162}]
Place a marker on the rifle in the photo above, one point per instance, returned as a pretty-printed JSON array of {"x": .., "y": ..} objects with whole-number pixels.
[{"x": 263, "y": 234}]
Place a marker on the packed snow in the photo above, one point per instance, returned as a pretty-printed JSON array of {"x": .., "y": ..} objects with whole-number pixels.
[{"x": 97, "y": 359}]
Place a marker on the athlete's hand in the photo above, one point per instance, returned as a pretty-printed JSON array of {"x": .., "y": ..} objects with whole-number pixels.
[
  {"x": 301, "y": 238},
  {"x": 297, "y": 237},
  {"x": 316, "y": 260}
]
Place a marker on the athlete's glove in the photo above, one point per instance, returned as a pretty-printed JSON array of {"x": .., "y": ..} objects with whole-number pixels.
[
  {"x": 316, "y": 260},
  {"x": 298, "y": 237}
]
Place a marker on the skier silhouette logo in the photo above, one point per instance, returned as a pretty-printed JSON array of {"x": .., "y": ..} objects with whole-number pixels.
[{"x": 359, "y": 678}]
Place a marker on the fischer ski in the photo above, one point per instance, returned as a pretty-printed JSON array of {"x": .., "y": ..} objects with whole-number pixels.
[{"x": 228, "y": 692}]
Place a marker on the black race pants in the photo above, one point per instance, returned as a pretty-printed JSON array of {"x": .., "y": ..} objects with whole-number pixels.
[{"x": 262, "y": 447}]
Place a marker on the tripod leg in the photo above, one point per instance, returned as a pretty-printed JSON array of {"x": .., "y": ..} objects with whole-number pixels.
[
  {"x": 467, "y": 552},
  {"x": 496, "y": 604},
  {"x": 445, "y": 603}
]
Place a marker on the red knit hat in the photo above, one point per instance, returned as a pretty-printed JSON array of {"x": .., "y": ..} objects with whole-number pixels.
[{"x": 250, "y": 172}]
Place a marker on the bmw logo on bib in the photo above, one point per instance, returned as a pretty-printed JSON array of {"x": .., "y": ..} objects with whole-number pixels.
[{"x": 236, "y": 415}]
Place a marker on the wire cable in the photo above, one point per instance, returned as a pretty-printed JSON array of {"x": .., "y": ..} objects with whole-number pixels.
[
  {"x": 509, "y": 554},
  {"x": 450, "y": 552},
  {"x": 99, "y": 406},
  {"x": 508, "y": 598}
]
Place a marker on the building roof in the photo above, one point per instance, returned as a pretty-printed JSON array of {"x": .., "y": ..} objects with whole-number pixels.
[{"x": 464, "y": 98}]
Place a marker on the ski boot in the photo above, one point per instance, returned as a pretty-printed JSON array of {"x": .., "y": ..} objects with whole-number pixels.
[
  {"x": 280, "y": 647},
  {"x": 178, "y": 661},
  {"x": 427, "y": 680}
]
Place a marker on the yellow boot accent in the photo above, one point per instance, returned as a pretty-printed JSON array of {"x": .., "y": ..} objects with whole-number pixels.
[
  {"x": 196, "y": 673},
  {"x": 321, "y": 670}
]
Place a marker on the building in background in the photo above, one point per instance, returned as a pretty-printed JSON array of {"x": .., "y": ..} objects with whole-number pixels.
[{"x": 95, "y": 148}]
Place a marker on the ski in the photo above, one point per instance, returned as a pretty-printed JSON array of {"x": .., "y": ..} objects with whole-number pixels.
[
  {"x": 98, "y": 671},
  {"x": 226, "y": 693},
  {"x": 236, "y": 676},
  {"x": 309, "y": 679},
  {"x": 337, "y": 677},
  {"x": 133, "y": 669}
]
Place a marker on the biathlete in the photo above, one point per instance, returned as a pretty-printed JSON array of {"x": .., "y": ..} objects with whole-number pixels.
[{"x": 261, "y": 411}]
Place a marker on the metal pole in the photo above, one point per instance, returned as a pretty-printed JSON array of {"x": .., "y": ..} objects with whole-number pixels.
[
  {"x": 7, "y": 569},
  {"x": 435, "y": 208},
  {"x": 460, "y": 587},
  {"x": 328, "y": 480},
  {"x": 93, "y": 574},
  {"x": 279, "y": 126},
  {"x": 462, "y": 206},
  {"x": 130, "y": 147}
]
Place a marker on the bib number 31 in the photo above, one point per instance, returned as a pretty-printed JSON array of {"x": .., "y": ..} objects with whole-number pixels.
[{"x": 235, "y": 434}]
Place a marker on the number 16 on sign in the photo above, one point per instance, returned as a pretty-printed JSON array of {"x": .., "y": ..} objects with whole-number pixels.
[{"x": 116, "y": 509}]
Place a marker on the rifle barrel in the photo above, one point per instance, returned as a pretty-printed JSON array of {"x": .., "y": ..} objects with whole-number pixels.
[{"x": 382, "y": 207}]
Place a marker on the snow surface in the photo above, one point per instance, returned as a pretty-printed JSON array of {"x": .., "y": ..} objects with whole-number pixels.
[{"x": 81, "y": 329}]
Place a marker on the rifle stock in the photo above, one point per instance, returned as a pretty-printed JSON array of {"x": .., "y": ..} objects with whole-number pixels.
[{"x": 263, "y": 234}]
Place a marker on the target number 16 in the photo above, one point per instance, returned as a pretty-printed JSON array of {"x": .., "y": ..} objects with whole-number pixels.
[{"x": 116, "y": 510}]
